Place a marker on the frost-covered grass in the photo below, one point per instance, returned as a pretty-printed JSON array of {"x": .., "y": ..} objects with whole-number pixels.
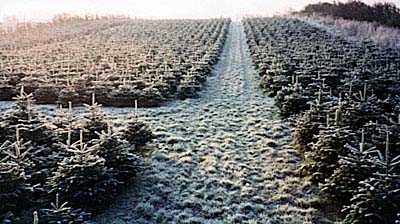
[{"x": 356, "y": 30}]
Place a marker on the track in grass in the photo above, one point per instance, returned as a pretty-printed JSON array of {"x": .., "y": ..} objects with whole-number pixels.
[{"x": 219, "y": 158}]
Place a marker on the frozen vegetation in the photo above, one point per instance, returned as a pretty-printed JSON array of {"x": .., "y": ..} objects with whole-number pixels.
[
  {"x": 220, "y": 158},
  {"x": 357, "y": 30},
  {"x": 119, "y": 59},
  {"x": 343, "y": 98},
  {"x": 296, "y": 123}
]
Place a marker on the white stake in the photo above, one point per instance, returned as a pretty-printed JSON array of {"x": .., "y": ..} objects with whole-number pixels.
[
  {"x": 17, "y": 134},
  {"x": 93, "y": 98},
  {"x": 35, "y": 217},
  {"x": 81, "y": 139},
  {"x": 136, "y": 107},
  {"x": 70, "y": 107}
]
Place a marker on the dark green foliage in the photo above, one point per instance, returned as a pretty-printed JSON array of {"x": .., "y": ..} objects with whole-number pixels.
[
  {"x": 81, "y": 178},
  {"x": 136, "y": 132},
  {"x": 306, "y": 127},
  {"x": 61, "y": 213},
  {"x": 120, "y": 160},
  {"x": 377, "y": 199},
  {"x": 38, "y": 161},
  {"x": 15, "y": 171},
  {"x": 322, "y": 159},
  {"x": 360, "y": 109},
  {"x": 32, "y": 125},
  {"x": 66, "y": 125},
  {"x": 93, "y": 121},
  {"x": 292, "y": 100},
  {"x": 354, "y": 166}
]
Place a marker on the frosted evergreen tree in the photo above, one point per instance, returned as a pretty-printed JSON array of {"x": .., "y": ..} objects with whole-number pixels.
[
  {"x": 60, "y": 213},
  {"x": 292, "y": 99},
  {"x": 136, "y": 132},
  {"x": 310, "y": 123},
  {"x": 118, "y": 154},
  {"x": 377, "y": 199},
  {"x": 15, "y": 171},
  {"x": 34, "y": 128},
  {"x": 360, "y": 109},
  {"x": 323, "y": 158},
  {"x": 66, "y": 125},
  {"x": 82, "y": 178},
  {"x": 33, "y": 125},
  {"x": 93, "y": 120},
  {"x": 355, "y": 166}
]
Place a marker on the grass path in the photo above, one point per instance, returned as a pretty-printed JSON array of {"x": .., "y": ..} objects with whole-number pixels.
[{"x": 219, "y": 158}]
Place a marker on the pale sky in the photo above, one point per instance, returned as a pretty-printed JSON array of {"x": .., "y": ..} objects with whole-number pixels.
[{"x": 43, "y": 9}]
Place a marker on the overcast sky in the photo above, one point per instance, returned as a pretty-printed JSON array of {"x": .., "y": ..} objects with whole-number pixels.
[{"x": 42, "y": 9}]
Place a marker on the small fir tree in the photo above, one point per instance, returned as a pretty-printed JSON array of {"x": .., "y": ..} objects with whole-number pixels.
[
  {"x": 93, "y": 120},
  {"x": 61, "y": 213},
  {"x": 378, "y": 197},
  {"x": 136, "y": 132},
  {"x": 82, "y": 178}
]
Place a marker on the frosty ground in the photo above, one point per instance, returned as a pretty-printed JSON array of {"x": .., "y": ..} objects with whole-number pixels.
[
  {"x": 219, "y": 158},
  {"x": 223, "y": 157}
]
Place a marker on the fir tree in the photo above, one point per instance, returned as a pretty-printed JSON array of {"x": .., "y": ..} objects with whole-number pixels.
[
  {"x": 66, "y": 125},
  {"x": 360, "y": 109},
  {"x": 33, "y": 125},
  {"x": 15, "y": 170},
  {"x": 118, "y": 155},
  {"x": 136, "y": 132},
  {"x": 93, "y": 120},
  {"x": 323, "y": 158},
  {"x": 83, "y": 177},
  {"x": 34, "y": 128},
  {"x": 378, "y": 197},
  {"x": 61, "y": 213},
  {"x": 306, "y": 127},
  {"x": 310, "y": 123},
  {"x": 355, "y": 166}
]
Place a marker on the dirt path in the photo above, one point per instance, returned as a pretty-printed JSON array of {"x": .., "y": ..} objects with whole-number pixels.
[{"x": 219, "y": 158}]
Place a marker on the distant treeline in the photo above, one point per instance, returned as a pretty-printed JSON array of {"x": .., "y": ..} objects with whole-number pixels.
[
  {"x": 69, "y": 17},
  {"x": 383, "y": 13}
]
